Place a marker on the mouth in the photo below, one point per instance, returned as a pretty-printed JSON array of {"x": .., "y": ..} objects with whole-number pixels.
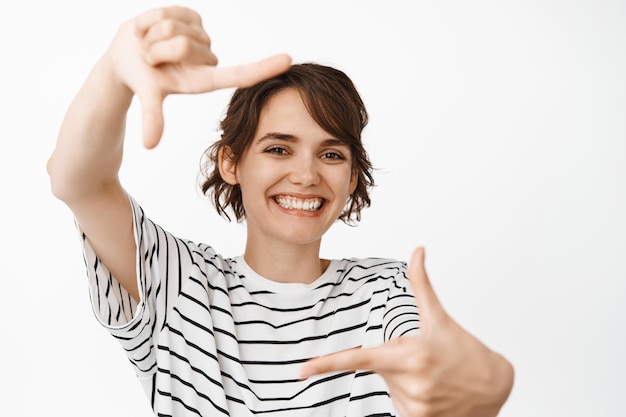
[{"x": 304, "y": 204}]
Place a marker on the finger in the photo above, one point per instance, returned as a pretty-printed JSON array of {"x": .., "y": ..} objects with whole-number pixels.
[
  {"x": 180, "y": 49},
  {"x": 170, "y": 28},
  {"x": 379, "y": 359},
  {"x": 430, "y": 308},
  {"x": 250, "y": 74},
  {"x": 144, "y": 21},
  {"x": 152, "y": 119}
]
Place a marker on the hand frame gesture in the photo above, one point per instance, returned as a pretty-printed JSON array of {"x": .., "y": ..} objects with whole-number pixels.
[
  {"x": 166, "y": 51},
  {"x": 443, "y": 371}
]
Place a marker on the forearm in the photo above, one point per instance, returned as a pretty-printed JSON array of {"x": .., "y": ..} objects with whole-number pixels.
[{"x": 89, "y": 148}]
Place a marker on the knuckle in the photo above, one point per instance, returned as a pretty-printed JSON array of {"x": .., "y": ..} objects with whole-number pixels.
[
  {"x": 414, "y": 390},
  {"x": 422, "y": 391},
  {"x": 366, "y": 362},
  {"x": 420, "y": 361},
  {"x": 428, "y": 392},
  {"x": 181, "y": 47},
  {"x": 160, "y": 14},
  {"x": 167, "y": 28},
  {"x": 417, "y": 408}
]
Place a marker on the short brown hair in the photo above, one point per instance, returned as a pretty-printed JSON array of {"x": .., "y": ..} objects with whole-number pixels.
[{"x": 332, "y": 101}]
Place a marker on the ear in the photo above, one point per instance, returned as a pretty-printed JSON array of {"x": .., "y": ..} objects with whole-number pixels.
[
  {"x": 354, "y": 180},
  {"x": 227, "y": 165}
]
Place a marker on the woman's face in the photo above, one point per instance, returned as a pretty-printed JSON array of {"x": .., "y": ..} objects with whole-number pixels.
[{"x": 295, "y": 178}]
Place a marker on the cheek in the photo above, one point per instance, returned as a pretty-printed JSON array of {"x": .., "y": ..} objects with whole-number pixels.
[
  {"x": 256, "y": 180},
  {"x": 345, "y": 182}
]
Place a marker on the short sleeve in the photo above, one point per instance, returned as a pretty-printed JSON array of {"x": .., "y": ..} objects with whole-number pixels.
[
  {"x": 401, "y": 312},
  {"x": 136, "y": 324}
]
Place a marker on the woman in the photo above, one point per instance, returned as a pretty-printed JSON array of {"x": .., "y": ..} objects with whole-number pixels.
[{"x": 209, "y": 335}]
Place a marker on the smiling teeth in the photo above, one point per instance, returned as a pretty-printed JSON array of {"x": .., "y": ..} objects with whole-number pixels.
[{"x": 291, "y": 203}]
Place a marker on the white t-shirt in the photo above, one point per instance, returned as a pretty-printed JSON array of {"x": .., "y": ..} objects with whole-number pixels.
[{"x": 211, "y": 337}]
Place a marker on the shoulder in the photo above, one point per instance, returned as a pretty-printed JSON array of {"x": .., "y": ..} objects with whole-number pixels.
[
  {"x": 378, "y": 271},
  {"x": 373, "y": 265},
  {"x": 158, "y": 240}
]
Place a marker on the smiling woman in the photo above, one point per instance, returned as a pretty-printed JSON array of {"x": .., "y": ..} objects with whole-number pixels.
[
  {"x": 278, "y": 330},
  {"x": 280, "y": 173},
  {"x": 496, "y": 130},
  {"x": 327, "y": 97}
]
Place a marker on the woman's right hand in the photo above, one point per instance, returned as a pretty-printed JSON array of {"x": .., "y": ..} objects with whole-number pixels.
[
  {"x": 160, "y": 52},
  {"x": 167, "y": 51}
]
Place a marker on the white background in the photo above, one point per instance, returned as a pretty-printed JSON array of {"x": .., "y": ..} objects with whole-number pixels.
[{"x": 499, "y": 131}]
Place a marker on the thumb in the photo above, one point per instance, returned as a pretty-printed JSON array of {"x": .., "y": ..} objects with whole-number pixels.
[
  {"x": 151, "y": 118},
  {"x": 430, "y": 309}
]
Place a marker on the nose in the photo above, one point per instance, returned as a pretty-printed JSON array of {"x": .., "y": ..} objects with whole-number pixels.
[{"x": 305, "y": 172}]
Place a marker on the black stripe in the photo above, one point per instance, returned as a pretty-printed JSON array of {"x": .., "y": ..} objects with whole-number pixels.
[
  {"x": 181, "y": 402},
  {"x": 303, "y": 339},
  {"x": 310, "y": 318}
]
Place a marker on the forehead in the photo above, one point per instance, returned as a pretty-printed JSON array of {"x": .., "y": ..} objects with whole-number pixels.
[
  {"x": 283, "y": 106},
  {"x": 285, "y": 112},
  {"x": 285, "y": 115}
]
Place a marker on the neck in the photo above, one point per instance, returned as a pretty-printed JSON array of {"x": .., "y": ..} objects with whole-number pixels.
[{"x": 282, "y": 262}]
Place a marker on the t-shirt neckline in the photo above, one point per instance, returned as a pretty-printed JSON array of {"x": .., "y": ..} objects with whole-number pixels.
[{"x": 258, "y": 282}]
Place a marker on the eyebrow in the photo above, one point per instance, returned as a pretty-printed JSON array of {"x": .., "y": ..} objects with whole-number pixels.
[{"x": 292, "y": 138}]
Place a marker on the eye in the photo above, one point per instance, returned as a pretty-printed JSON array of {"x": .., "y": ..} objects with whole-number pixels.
[
  {"x": 276, "y": 150},
  {"x": 333, "y": 155}
]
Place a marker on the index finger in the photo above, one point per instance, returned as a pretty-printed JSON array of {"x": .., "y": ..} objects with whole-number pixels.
[
  {"x": 249, "y": 74},
  {"x": 375, "y": 359}
]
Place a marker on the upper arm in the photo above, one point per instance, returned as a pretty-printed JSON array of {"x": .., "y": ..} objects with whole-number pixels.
[{"x": 106, "y": 219}]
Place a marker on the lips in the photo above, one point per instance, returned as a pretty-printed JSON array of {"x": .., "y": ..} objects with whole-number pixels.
[{"x": 295, "y": 203}]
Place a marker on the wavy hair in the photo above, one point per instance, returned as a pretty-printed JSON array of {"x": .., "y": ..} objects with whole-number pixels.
[{"x": 333, "y": 102}]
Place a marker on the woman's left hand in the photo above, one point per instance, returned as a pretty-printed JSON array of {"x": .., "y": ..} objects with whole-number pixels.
[{"x": 443, "y": 371}]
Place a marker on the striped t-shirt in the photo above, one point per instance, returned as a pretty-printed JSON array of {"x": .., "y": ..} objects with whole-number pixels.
[{"x": 210, "y": 337}]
